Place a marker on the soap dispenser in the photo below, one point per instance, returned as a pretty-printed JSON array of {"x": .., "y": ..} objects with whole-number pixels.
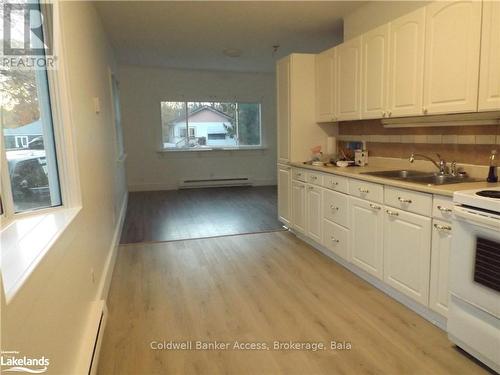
[{"x": 492, "y": 174}]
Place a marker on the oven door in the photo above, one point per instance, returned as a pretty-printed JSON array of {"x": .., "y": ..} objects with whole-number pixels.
[{"x": 474, "y": 259}]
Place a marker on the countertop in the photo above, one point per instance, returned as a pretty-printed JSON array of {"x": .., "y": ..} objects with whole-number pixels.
[{"x": 356, "y": 172}]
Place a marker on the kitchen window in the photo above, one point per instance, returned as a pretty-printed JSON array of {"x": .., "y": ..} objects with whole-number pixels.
[
  {"x": 210, "y": 125},
  {"x": 29, "y": 173}
]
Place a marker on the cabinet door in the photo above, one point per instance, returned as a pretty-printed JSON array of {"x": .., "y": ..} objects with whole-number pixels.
[
  {"x": 406, "y": 64},
  {"x": 325, "y": 86},
  {"x": 367, "y": 222},
  {"x": 489, "y": 78},
  {"x": 407, "y": 250},
  {"x": 348, "y": 77},
  {"x": 375, "y": 67},
  {"x": 284, "y": 196},
  {"x": 283, "y": 110},
  {"x": 452, "y": 42},
  {"x": 314, "y": 215},
  {"x": 440, "y": 254},
  {"x": 299, "y": 207}
]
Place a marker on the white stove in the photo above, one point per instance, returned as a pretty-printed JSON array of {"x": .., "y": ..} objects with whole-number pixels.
[
  {"x": 474, "y": 282},
  {"x": 485, "y": 199}
]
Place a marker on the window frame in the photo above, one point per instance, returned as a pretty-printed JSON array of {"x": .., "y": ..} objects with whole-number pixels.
[
  {"x": 63, "y": 132},
  {"x": 260, "y": 146}
]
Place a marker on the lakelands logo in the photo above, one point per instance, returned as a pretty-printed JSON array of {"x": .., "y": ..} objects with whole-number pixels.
[
  {"x": 26, "y": 43},
  {"x": 12, "y": 361}
]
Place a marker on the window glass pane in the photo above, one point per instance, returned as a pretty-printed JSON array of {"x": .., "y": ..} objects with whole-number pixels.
[
  {"x": 29, "y": 139},
  {"x": 249, "y": 124},
  {"x": 211, "y": 125},
  {"x": 173, "y": 124}
]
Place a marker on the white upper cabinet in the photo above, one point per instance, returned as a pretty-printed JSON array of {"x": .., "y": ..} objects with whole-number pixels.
[
  {"x": 374, "y": 72},
  {"x": 489, "y": 79},
  {"x": 349, "y": 80},
  {"x": 283, "y": 110},
  {"x": 406, "y": 65},
  {"x": 325, "y": 86},
  {"x": 452, "y": 44}
]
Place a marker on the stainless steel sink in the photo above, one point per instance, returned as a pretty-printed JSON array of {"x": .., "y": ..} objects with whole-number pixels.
[
  {"x": 424, "y": 178},
  {"x": 400, "y": 174}
]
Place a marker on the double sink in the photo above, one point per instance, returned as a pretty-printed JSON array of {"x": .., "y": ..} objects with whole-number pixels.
[{"x": 424, "y": 178}]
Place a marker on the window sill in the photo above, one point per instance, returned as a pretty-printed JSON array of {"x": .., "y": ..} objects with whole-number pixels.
[
  {"x": 26, "y": 241},
  {"x": 249, "y": 148}
]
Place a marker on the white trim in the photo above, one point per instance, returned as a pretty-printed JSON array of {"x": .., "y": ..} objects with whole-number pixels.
[
  {"x": 421, "y": 310},
  {"x": 90, "y": 338},
  {"x": 159, "y": 186}
]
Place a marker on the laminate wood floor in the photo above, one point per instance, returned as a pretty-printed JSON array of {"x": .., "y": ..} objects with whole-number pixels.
[
  {"x": 260, "y": 288},
  {"x": 199, "y": 213}
]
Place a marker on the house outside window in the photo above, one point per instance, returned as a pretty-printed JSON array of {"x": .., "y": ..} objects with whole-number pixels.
[{"x": 205, "y": 125}]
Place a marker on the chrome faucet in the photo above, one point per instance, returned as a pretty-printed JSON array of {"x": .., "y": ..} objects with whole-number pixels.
[{"x": 441, "y": 164}]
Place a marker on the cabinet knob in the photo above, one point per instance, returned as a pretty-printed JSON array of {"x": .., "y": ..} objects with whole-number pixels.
[
  {"x": 383, "y": 114},
  {"x": 374, "y": 206},
  {"x": 389, "y": 113},
  {"x": 310, "y": 187},
  {"x": 334, "y": 240},
  {"x": 334, "y": 208},
  {"x": 334, "y": 183},
  {"x": 440, "y": 227},
  {"x": 424, "y": 111},
  {"x": 403, "y": 200},
  {"x": 444, "y": 209},
  {"x": 363, "y": 190},
  {"x": 391, "y": 213}
]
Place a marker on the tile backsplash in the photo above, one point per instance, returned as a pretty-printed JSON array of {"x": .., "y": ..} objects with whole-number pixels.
[{"x": 464, "y": 144}]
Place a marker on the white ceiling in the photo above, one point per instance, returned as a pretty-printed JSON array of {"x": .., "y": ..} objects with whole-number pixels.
[{"x": 193, "y": 34}]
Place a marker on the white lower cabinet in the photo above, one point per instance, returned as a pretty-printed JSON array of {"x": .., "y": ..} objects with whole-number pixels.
[
  {"x": 336, "y": 239},
  {"x": 440, "y": 254},
  {"x": 313, "y": 212},
  {"x": 407, "y": 250},
  {"x": 284, "y": 204},
  {"x": 299, "y": 206},
  {"x": 367, "y": 222}
]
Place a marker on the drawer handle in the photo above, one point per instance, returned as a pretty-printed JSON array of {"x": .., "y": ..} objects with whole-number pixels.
[
  {"x": 444, "y": 209},
  {"x": 441, "y": 227},
  {"x": 310, "y": 187},
  {"x": 299, "y": 174},
  {"x": 333, "y": 207},
  {"x": 334, "y": 240},
  {"x": 374, "y": 206},
  {"x": 363, "y": 190},
  {"x": 334, "y": 183},
  {"x": 314, "y": 178},
  {"x": 391, "y": 213},
  {"x": 403, "y": 200}
]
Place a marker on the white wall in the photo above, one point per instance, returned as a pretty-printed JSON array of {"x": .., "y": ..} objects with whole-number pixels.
[
  {"x": 376, "y": 13},
  {"x": 49, "y": 315},
  {"x": 142, "y": 89}
]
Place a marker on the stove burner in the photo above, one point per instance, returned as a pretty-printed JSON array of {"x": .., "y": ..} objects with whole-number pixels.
[{"x": 489, "y": 193}]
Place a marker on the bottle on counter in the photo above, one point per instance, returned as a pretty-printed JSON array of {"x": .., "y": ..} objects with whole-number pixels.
[{"x": 492, "y": 174}]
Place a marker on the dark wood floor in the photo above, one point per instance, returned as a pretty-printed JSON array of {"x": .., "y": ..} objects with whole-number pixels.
[{"x": 199, "y": 213}]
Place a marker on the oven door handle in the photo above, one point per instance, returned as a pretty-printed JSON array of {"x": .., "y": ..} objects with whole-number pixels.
[{"x": 479, "y": 218}]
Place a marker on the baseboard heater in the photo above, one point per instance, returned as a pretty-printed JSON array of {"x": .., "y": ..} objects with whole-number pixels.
[{"x": 215, "y": 182}]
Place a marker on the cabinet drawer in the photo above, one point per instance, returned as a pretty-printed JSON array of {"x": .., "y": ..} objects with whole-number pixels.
[
  {"x": 336, "y": 207},
  {"x": 337, "y": 183},
  {"x": 408, "y": 200},
  {"x": 366, "y": 190},
  {"x": 336, "y": 238},
  {"x": 442, "y": 208},
  {"x": 314, "y": 178},
  {"x": 299, "y": 175}
]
